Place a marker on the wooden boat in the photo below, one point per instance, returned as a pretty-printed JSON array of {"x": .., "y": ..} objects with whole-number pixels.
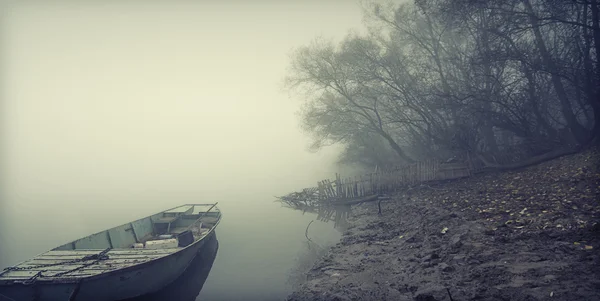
[{"x": 130, "y": 260}]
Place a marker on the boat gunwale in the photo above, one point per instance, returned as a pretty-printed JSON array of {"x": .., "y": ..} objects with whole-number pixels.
[{"x": 49, "y": 280}]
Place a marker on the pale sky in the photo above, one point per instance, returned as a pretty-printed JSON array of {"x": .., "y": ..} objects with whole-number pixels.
[{"x": 107, "y": 104}]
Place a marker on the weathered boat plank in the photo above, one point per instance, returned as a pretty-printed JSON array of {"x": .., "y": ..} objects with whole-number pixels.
[
  {"x": 20, "y": 275},
  {"x": 54, "y": 262},
  {"x": 71, "y": 262},
  {"x": 66, "y": 262},
  {"x": 115, "y": 256},
  {"x": 68, "y": 266},
  {"x": 111, "y": 252}
]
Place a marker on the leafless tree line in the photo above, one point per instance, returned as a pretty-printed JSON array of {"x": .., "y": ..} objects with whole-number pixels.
[{"x": 436, "y": 78}]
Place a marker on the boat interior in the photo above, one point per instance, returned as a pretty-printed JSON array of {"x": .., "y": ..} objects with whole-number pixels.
[
  {"x": 178, "y": 223},
  {"x": 142, "y": 240}
]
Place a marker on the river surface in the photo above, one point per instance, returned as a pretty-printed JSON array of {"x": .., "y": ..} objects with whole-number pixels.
[
  {"x": 259, "y": 243},
  {"x": 257, "y": 254}
]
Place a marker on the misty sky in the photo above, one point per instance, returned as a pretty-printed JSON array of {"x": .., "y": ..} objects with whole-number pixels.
[{"x": 108, "y": 105}]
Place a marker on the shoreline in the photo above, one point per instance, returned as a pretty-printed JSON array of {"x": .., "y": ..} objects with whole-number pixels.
[{"x": 531, "y": 234}]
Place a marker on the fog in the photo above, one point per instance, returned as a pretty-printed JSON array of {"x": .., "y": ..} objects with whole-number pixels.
[{"x": 111, "y": 112}]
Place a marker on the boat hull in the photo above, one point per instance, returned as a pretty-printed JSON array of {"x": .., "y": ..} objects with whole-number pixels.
[
  {"x": 135, "y": 281},
  {"x": 188, "y": 286}
]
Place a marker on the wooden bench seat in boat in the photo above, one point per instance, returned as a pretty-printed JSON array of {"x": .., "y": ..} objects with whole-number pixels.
[{"x": 63, "y": 265}]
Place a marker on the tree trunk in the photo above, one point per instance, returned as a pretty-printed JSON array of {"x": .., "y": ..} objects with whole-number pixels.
[
  {"x": 595, "y": 101},
  {"x": 487, "y": 128},
  {"x": 533, "y": 101},
  {"x": 579, "y": 132},
  {"x": 396, "y": 147}
]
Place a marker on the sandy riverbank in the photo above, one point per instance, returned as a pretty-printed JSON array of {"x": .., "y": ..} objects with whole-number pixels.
[{"x": 532, "y": 234}]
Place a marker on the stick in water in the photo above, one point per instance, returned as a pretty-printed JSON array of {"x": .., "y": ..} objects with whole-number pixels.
[{"x": 306, "y": 232}]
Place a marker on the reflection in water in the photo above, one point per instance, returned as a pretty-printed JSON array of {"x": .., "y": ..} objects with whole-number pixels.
[
  {"x": 257, "y": 248},
  {"x": 187, "y": 287},
  {"x": 326, "y": 212}
]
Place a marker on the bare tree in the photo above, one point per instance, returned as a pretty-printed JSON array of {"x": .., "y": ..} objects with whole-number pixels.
[{"x": 343, "y": 103}]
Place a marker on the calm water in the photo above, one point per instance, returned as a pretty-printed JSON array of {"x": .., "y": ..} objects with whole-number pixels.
[
  {"x": 259, "y": 243},
  {"x": 258, "y": 251}
]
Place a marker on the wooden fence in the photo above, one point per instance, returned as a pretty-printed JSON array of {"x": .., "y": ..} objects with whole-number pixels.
[
  {"x": 392, "y": 180},
  {"x": 332, "y": 199}
]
